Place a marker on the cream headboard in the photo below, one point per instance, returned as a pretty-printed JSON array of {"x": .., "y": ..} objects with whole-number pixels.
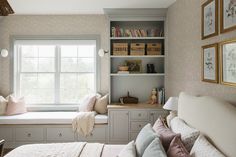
[{"x": 214, "y": 118}]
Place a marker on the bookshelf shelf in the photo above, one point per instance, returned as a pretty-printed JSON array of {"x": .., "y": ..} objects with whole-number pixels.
[
  {"x": 137, "y": 38},
  {"x": 141, "y": 74},
  {"x": 146, "y": 56}
]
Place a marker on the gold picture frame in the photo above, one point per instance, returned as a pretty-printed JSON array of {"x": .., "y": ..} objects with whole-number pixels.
[
  {"x": 209, "y": 19},
  {"x": 210, "y": 63},
  {"x": 228, "y": 62},
  {"x": 227, "y": 7},
  {"x": 135, "y": 66}
]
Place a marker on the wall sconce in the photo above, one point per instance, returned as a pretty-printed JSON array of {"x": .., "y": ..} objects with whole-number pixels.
[
  {"x": 102, "y": 52},
  {"x": 4, "y": 53}
]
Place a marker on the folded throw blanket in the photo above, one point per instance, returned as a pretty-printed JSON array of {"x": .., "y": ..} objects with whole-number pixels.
[{"x": 84, "y": 123}]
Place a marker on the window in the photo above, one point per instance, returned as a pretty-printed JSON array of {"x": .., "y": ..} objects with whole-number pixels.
[{"x": 52, "y": 72}]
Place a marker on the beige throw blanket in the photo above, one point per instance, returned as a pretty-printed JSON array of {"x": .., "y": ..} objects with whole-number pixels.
[
  {"x": 84, "y": 123},
  {"x": 75, "y": 149}
]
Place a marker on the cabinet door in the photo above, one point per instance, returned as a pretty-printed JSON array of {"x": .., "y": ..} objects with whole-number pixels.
[
  {"x": 154, "y": 115},
  {"x": 119, "y": 126}
]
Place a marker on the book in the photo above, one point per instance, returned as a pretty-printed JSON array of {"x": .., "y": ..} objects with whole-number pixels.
[{"x": 123, "y": 72}]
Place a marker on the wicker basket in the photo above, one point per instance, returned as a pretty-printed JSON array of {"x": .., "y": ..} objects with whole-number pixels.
[
  {"x": 137, "y": 49},
  {"x": 154, "y": 49},
  {"x": 120, "y": 49}
]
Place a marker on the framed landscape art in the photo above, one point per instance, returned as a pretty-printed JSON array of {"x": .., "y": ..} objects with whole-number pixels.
[
  {"x": 227, "y": 15},
  {"x": 210, "y": 63},
  {"x": 228, "y": 62},
  {"x": 209, "y": 19}
]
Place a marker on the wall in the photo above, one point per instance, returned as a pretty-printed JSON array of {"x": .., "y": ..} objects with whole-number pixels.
[
  {"x": 51, "y": 25},
  {"x": 184, "y": 52}
]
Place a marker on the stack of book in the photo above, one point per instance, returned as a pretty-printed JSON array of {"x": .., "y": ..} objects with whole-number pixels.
[
  {"x": 161, "y": 96},
  {"x": 123, "y": 72}
]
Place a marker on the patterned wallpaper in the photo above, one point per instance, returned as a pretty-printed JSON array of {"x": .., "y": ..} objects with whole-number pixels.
[
  {"x": 51, "y": 25},
  {"x": 184, "y": 52}
]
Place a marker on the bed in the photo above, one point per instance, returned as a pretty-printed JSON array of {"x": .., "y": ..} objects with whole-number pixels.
[{"x": 214, "y": 118}]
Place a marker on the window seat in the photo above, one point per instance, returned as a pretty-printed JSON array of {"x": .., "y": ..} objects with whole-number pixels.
[{"x": 47, "y": 118}]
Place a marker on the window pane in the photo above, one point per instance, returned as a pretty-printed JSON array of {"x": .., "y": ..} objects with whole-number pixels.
[
  {"x": 86, "y": 51},
  {"x": 38, "y": 96},
  {"x": 86, "y": 81},
  {"x": 86, "y": 65},
  {"x": 68, "y": 51},
  {"x": 29, "y": 64},
  {"x": 29, "y": 51},
  {"x": 28, "y": 81},
  {"x": 46, "y": 51},
  {"x": 46, "y": 65},
  {"x": 69, "y": 65}
]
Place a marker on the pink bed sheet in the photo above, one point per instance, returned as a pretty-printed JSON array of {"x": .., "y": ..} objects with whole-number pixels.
[{"x": 112, "y": 150}]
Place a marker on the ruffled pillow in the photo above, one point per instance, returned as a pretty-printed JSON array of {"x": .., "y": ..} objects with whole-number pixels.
[
  {"x": 15, "y": 106},
  {"x": 177, "y": 149},
  {"x": 87, "y": 103}
]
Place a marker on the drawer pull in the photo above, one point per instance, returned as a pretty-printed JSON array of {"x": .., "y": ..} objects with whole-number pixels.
[
  {"x": 60, "y": 134},
  {"x": 139, "y": 114},
  {"x": 29, "y": 135},
  {"x": 152, "y": 114},
  {"x": 91, "y": 134},
  {"x": 140, "y": 125}
]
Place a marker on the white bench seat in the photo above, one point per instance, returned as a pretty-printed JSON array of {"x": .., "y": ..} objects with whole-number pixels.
[{"x": 47, "y": 118}]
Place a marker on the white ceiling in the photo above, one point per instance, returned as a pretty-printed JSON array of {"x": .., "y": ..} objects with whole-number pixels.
[{"x": 35, "y": 7}]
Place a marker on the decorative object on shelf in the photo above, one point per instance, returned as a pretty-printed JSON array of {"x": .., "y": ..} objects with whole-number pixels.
[
  {"x": 128, "y": 99},
  {"x": 120, "y": 49},
  {"x": 5, "y": 8},
  {"x": 153, "y": 98},
  {"x": 227, "y": 15},
  {"x": 137, "y": 49},
  {"x": 135, "y": 66},
  {"x": 210, "y": 19},
  {"x": 153, "y": 48},
  {"x": 172, "y": 105},
  {"x": 4, "y": 53},
  {"x": 228, "y": 62},
  {"x": 123, "y": 68},
  {"x": 210, "y": 63},
  {"x": 102, "y": 52},
  {"x": 151, "y": 68},
  {"x": 161, "y": 96}
]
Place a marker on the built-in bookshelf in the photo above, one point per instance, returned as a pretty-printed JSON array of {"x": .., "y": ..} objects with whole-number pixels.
[{"x": 130, "y": 30}]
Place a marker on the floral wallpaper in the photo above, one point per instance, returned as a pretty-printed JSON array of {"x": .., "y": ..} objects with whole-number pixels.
[
  {"x": 184, "y": 52},
  {"x": 51, "y": 25}
]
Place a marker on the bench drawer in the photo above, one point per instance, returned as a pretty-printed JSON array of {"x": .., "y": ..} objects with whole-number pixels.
[
  {"x": 60, "y": 134},
  {"x": 137, "y": 126},
  {"x": 98, "y": 134},
  {"x": 6, "y": 133},
  {"x": 29, "y": 134},
  {"x": 139, "y": 115}
]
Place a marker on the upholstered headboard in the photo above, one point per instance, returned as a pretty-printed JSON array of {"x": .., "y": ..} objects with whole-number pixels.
[{"x": 216, "y": 119}]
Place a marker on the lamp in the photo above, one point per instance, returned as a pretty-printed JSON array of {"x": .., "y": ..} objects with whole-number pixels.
[
  {"x": 102, "y": 52},
  {"x": 172, "y": 105},
  {"x": 4, "y": 53}
]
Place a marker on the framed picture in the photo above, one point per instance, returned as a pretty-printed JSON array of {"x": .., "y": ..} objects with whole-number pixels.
[
  {"x": 227, "y": 15},
  {"x": 210, "y": 63},
  {"x": 135, "y": 66},
  {"x": 209, "y": 19},
  {"x": 228, "y": 62}
]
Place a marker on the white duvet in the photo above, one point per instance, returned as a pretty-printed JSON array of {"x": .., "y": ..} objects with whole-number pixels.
[{"x": 75, "y": 149}]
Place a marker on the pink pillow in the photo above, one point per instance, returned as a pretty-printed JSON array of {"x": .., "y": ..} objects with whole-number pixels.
[
  {"x": 15, "y": 106},
  {"x": 87, "y": 103},
  {"x": 177, "y": 148},
  {"x": 166, "y": 135}
]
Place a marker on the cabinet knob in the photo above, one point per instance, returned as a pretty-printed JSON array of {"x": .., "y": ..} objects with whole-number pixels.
[
  {"x": 140, "y": 125},
  {"x": 60, "y": 135},
  {"x": 91, "y": 134},
  {"x": 127, "y": 113},
  {"x": 139, "y": 114},
  {"x": 152, "y": 114},
  {"x": 29, "y": 135}
]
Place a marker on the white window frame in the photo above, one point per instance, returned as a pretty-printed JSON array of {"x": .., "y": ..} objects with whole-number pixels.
[{"x": 15, "y": 77}]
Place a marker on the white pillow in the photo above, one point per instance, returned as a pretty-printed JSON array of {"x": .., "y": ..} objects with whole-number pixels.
[
  {"x": 203, "y": 148},
  {"x": 101, "y": 104},
  {"x": 188, "y": 134},
  {"x": 128, "y": 151},
  {"x": 87, "y": 103},
  {"x": 155, "y": 149},
  {"x": 3, "y": 105},
  {"x": 144, "y": 138}
]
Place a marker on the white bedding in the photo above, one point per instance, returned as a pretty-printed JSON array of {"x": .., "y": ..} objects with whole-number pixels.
[
  {"x": 75, "y": 149},
  {"x": 48, "y": 118}
]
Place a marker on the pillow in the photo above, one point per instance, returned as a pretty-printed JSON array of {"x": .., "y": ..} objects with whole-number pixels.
[
  {"x": 128, "y": 150},
  {"x": 188, "y": 134},
  {"x": 101, "y": 104},
  {"x": 87, "y": 103},
  {"x": 166, "y": 135},
  {"x": 144, "y": 138},
  {"x": 177, "y": 149},
  {"x": 203, "y": 148},
  {"x": 155, "y": 149},
  {"x": 3, "y": 105},
  {"x": 15, "y": 106}
]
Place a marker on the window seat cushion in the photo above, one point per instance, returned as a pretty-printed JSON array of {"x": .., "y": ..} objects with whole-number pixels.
[{"x": 47, "y": 118}]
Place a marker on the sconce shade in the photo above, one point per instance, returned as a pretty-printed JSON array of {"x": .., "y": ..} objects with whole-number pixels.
[
  {"x": 171, "y": 104},
  {"x": 4, "y": 53},
  {"x": 102, "y": 52}
]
